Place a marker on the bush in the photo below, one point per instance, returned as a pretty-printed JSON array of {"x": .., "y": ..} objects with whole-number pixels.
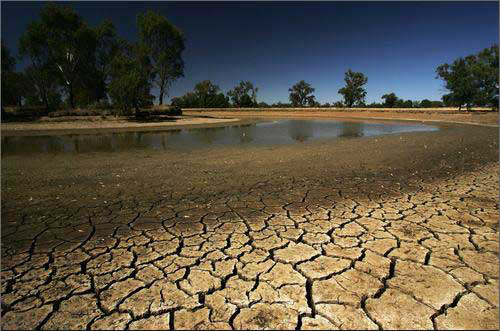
[
  {"x": 174, "y": 111},
  {"x": 100, "y": 105}
]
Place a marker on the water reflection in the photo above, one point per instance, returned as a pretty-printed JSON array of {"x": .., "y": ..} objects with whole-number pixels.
[
  {"x": 300, "y": 130},
  {"x": 351, "y": 130},
  {"x": 264, "y": 133}
]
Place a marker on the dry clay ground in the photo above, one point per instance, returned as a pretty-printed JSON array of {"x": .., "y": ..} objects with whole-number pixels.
[{"x": 402, "y": 233}]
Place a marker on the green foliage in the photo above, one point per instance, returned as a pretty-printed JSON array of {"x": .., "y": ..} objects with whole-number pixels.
[
  {"x": 10, "y": 79},
  {"x": 472, "y": 80},
  {"x": 279, "y": 104},
  {"x": 244, "y": 95},
  {"x": 63, "y": 40},
  {"x": 263, "y": 105},
  {"x": 205, "y": 95},
  {"x": 376, "y": 105},
  {"x": 407, "y": 104},
  {"x": 8, "y": 61},
  {"x": 40, "y": 89},
  {"x": 130, "y": 85},
  {"x": 301, "y": 95},
  {"x": 165, "y": 44},
  {"x": 353, "y": 92},
  {"x": 425, "y": 104},
  {"x": 107, "y": 46},
  {"x": 390, "y": 100}
]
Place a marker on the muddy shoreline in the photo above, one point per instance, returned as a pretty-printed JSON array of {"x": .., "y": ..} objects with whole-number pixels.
[{"x": 211, "y": 119}]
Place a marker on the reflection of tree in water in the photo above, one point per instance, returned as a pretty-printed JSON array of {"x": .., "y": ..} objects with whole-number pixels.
[
  {"x": 300, "y": 130},
  {"x": 208, "y": 135},
  {"x": 245, "y": 133},
  {"x": 351, "y": 129},
  {"x": 89, "y": 143},
  {"x": 168, "y": 135}
]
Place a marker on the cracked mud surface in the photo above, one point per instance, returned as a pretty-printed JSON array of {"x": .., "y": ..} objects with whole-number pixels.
[{"x": 400, "y": 234}]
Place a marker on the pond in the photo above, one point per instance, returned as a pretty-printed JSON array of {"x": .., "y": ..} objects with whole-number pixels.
[{"x": 260, "y": 133}]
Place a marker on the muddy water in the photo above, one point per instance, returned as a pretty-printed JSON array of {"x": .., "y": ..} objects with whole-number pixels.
[{"x": 262, "y": 133}]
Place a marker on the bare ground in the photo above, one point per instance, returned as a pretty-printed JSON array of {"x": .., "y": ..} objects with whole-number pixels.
[{"x": 397, "y": 231}]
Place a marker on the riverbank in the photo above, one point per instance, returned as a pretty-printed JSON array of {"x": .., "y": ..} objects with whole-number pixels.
[
  {"x": 483, "y": 118},
  {"x": 96, "y": 124}
]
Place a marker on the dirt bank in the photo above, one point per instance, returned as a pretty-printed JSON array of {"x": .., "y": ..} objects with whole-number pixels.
[
  {"x": 484, "y": 118},
  {"x": 95, "y": 124}
]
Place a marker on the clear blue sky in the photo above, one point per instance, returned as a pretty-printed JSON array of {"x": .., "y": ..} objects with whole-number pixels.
[{"x": 398, "y": 45}]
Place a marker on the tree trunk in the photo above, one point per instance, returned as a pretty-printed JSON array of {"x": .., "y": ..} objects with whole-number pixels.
[
  {"x": 46, "y": 101},
  {"x": 71, "y": 97},
  {"x": 162, "y": 90}
]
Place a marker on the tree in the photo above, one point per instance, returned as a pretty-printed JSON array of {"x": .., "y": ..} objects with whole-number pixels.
[
  {"x": 472, "y": 80},
  {"x": 209, "y": 96},
  {"x": 40, "y": 88},
  {"x": 407, "y": 104},
  {"x": 131, "y": 78},
  {"x": 107, "y": 46},
  {"x": 425, "y": 104},
  {"x": 244, "y": 95},
  {"x": 205, "y": 95},
  {"x": 62, "y": 39},
  {"x": 390, "y": 100},
  {"x": 165, "y": 44},
  {"x": 10, "y": 79},
  {"x": 263, "y": 105},
  {"x": 301, "y": 94},
  {"x": 353, "y": 92},
  {"x": 486, "y": 71}
]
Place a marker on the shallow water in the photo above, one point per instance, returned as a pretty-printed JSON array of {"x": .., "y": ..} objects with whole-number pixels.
[{"x": 263, "y": 133}]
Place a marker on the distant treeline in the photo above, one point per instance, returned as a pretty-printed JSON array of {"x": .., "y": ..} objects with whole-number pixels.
[{"x": 74, "y": 65}]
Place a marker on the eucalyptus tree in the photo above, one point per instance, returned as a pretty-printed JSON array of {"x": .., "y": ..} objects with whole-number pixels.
[
  {"x": 131, "y": 75},
  {"x": 164, "y": 43},
  {"x": 244, "y": 94},
  {"x": 60, "y": 43},
  {"x": 10, "y": 79},
  {"x": 472, "y": 80},
  {"x": 107, "y": 46},
  {"x": 301, "y": 94},
  {"x": 390, "y": 100},
  {"x": 353, "y": 92}
]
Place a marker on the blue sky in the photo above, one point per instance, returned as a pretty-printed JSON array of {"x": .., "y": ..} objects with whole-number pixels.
[{"x": 398, "y": 45}]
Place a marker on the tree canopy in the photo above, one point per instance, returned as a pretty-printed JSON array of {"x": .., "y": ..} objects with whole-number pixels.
[
  {"x": 301, "y": 94},
  {"x": 10, "y": 79},
  {"x": 205, "y": 95},
  {"x": 472, "y": 80},
  {"x": 165, "y": 44},
  {"x": 61, "y": 39},
  {"x": 390, "y": 100},
  {"x": 131, "y": 76},
  {"x": 244, "y": 95},
  {"x": 353, "y": 92}
]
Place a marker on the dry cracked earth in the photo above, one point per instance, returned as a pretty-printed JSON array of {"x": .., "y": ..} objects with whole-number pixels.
[{"x": 294, "y": 256}]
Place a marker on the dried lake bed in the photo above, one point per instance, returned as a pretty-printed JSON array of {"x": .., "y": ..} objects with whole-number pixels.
[{"x": 351, "y": 230}]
